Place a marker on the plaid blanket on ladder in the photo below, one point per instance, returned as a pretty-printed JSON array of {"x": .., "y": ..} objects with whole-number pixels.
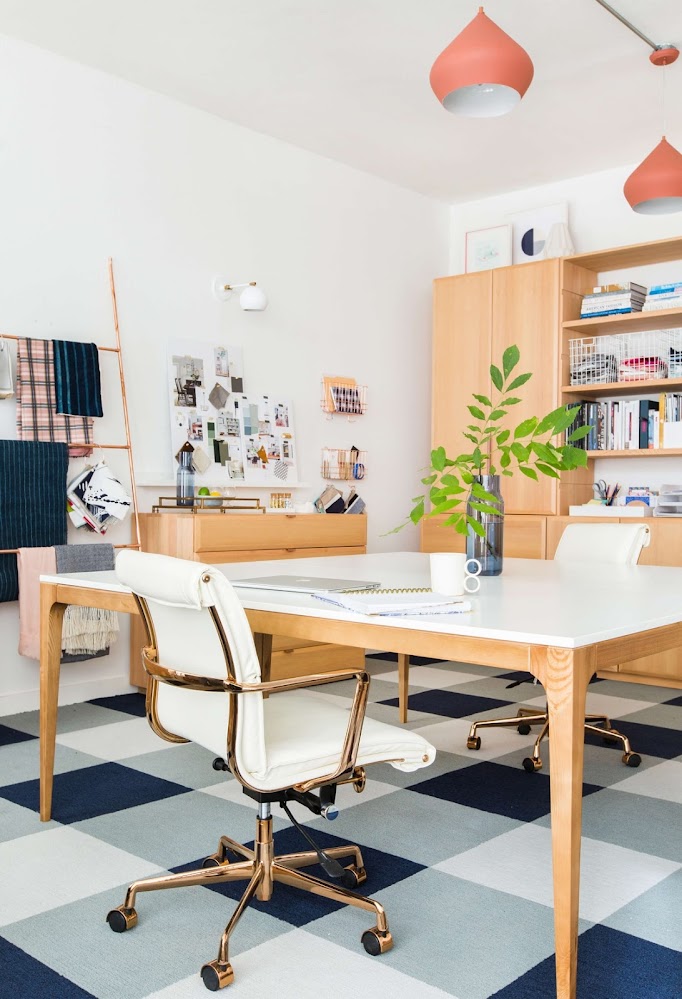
[{"x": 37, "y": 417}]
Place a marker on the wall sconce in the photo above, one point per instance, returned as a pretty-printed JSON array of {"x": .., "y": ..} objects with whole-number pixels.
[{"x": 252, "y": 298}]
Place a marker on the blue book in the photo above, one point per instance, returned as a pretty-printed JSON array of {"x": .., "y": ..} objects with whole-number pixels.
[
  {"x": 606, "y": 312},
  {"x": 659, "y": 289}
]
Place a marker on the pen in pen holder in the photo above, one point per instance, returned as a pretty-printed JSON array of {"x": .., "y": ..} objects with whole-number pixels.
[{"x": 340, "y": 463}]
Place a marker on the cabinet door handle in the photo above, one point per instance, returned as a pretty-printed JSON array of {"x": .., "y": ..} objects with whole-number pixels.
[{"x": 289, "y": 549}]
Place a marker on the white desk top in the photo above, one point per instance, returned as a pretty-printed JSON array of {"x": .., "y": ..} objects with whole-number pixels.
[{"x": 533, "y": 601}]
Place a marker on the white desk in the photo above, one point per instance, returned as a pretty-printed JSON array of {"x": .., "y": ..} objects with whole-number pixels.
[{"x": 559, "y": 622}]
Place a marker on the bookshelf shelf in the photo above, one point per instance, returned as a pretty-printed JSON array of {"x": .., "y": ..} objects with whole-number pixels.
[
  {"x": 638, "y": 255},
  {"x": 631, "y": 322},
  {"x": 645, "y": 387},
  {"x": 660, "y": 452}
]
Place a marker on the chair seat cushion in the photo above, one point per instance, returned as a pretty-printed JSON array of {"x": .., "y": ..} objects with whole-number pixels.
[{"x": 304, "y": 734}]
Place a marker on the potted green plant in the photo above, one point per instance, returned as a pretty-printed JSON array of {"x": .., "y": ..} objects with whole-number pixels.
[{"x": 467, "y": 487}]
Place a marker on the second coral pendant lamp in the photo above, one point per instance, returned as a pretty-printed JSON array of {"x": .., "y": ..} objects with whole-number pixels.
[
  {"x": 655, "y": 187},
  {"x": 483, "y": 73}
]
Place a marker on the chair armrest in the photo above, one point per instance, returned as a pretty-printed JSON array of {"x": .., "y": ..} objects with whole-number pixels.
[{"x": 351, "y": 742}]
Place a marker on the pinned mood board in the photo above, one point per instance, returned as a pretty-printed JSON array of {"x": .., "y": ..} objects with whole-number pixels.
[{"x": 239, "y": 438}]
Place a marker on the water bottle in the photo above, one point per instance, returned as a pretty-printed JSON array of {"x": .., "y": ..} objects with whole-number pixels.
[{"x": 185, "y": 476}]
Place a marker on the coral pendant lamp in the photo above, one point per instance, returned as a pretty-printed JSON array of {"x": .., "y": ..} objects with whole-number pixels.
[
  {"x": 483, "y": 73},
  {"x": 655, "y": 187}
]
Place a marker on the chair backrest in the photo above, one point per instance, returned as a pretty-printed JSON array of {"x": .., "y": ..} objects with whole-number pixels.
[
  {"x": 200, "y": 628},
  {"x": 611, "y": 543}
]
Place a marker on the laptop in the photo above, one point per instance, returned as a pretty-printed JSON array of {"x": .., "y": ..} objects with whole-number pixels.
[{"x": 305, "y": 584}]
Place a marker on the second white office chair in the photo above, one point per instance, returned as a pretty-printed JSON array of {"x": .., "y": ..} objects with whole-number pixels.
[
  {"x": 280, "y": 742},
  {"x": 615, "y": 544}
]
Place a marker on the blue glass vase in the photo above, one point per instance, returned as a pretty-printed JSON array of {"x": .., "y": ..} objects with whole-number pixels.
[{"x": 487, "y": 548}]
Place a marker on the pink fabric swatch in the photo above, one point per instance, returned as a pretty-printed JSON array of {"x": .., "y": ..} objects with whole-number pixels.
[{"x": 31, "y": 564}]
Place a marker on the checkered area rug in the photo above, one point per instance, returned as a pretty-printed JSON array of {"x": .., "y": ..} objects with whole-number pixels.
[{"x": 459, "y": 854}]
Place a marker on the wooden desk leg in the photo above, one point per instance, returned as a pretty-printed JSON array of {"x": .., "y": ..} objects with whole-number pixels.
[
  {"x": 565, "y": 674},
  {"x": 263, "y": 645},
  {"x": 51, "y": 616},
  {"x": 403, "y": 685}
]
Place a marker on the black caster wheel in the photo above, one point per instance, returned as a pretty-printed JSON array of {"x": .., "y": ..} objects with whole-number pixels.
[
  {"x": 375, "y": 942},
  {"x": 353, "y": 877},
  {"x": 122, "y": 919},
  {"x": 523, "y": 728},
  {"x": 632, "y": 759},
  {"x": 217, "y": 976},
  {"x": 215, "y": 861},
  {"x": 530, "y": 765},
  {"x": 474, "y": 743}
]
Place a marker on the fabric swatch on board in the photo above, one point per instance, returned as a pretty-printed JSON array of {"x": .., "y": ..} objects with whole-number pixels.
[
  {"x": 87, "y": 632},
  {"x": 32, "y": 502},
  {"x": 37, "y": 417},
  {"x": 218, "y": 396},
  {"x": 77, "y": 379}
]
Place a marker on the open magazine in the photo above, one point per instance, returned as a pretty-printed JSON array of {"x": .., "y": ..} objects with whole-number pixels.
[{"x": 396, "y": 602}]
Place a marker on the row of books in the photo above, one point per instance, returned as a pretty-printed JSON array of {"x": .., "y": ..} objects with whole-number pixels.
[
  {"x": 664, "y": 296},
  {"x": 631, "y": 424},
  {"x": 613, "y": 299}
]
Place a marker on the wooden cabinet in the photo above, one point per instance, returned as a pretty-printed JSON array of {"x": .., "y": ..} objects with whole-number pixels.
[
  {"x": 476, "y": 316},
  {"x": 462, "y": 329},
  {"x": 216, "y": 538},
  {"x": 524, "y": 537},
  {"x": 526, "y": 313}
]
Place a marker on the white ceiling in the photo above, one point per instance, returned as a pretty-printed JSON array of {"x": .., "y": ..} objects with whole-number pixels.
[{"x": 349, "y": 78}]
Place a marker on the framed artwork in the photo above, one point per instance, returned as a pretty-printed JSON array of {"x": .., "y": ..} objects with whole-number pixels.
[
  {"x": 487, "y": 248},
  {"x": 530, "y": 230}
]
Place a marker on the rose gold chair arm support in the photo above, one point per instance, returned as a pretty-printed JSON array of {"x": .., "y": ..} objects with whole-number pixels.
[{"x": 351, "y": 743}]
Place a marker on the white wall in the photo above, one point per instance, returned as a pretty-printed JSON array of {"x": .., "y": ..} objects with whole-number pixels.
[
  {"x": 599, "y": 217},
  {"x": 94, "y": 167}
]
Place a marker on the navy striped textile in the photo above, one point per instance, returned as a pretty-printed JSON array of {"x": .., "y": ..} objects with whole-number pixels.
[
  {"x": 32, "y": 502},
  {"x": 77, "y": 379}
]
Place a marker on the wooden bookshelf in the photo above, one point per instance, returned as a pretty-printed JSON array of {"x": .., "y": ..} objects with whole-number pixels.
[
  {"x": 639, "y": 255},
  {"x": 630, "y": 322},
  {"x": 647, "y": 386},
  {"x": 657, "y": 452}
]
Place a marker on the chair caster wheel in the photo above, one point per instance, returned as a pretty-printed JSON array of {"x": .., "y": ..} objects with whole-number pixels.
[
  {"x": 632, "y": 759},
  {"x": 353, "y": 877},
  {"x": 216, "y": 975},
  {"x": 530, "y": 765},
  {"x": 474, "y": 743},
  {"x": 215, "y": 861},
  {"x": 375, "y": 942},
  {"x": 122, "y": 919},
  {"x": 523, "y": 728}
]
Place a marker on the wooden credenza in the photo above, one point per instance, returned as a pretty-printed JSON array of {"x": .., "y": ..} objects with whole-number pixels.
[{"x": 215, "y": 538}]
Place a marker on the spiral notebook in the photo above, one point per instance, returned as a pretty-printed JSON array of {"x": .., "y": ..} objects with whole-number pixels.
[{"x": 398, "y": 603}]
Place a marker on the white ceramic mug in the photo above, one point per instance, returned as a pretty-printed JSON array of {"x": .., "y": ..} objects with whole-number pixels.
[{"x": 451, "y": 574}]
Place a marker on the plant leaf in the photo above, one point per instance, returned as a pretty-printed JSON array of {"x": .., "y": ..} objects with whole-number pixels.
[
  {"x": 470, "y": 437},
  {"x": 483, "y": 399},
  {"x": 510, "y": 359},
  {"x": 505, "y": 460},
  {"x": 577, "y": 435},
  {"x": 546, "y": 469},
  {"x": 430, "y": 479},
  {"x": 519, "y": 381},
  {"x": 505, "y": 472},
  {"x": 524, "y": 429},
  {"x": 461, "y": 526},
  {"x": 476, "y": 527},
  {"x": 511, "y": 401},
  {"x": 417, "y": 513},
  {"x": 503, "y": 436},
  {"x": 438, "y": 459},
  {"x": 497, "y": 414},
  {"x": 454, "y": 518},
  {"x": 476, "y": 430},
  {"x": 496, "y": 377},
  {"x": 475, "y": 411},
  {"x": 484, "y": 508},
  {"x": 519, "y": 451},
  {"x": 530, "y": 472},
  {"x": 577, "y": 455}
]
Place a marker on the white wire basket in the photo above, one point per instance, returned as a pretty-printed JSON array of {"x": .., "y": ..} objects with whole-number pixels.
[{"x": 626, "y": 357}]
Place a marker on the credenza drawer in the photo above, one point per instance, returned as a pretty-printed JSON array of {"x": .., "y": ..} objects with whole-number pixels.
[
  {"x": 253, "y": 532},
  {"x": 315, "y": 659},
  {"x": 263, "y": 554}
]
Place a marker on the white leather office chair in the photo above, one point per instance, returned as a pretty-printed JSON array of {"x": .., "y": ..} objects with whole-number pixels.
[
  {"x": 614, "y": 544},
  {"x": 205, "y": 687}
]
